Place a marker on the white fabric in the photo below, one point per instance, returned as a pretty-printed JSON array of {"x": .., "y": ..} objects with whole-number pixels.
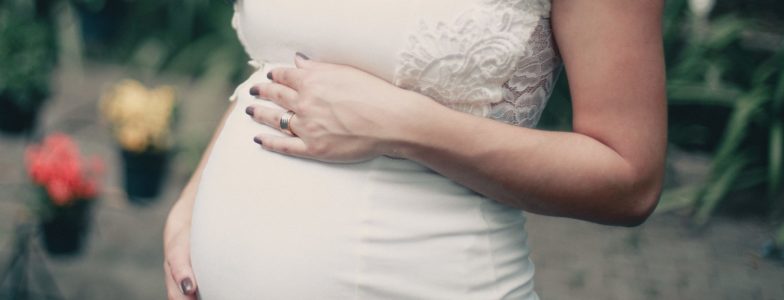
[{"x": 269, "y": 226}]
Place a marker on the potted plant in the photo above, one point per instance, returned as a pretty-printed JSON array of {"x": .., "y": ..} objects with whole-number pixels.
[
  {"x": 141, "y": 121},
  {"x": 27, "y": 58},
  {"x": 66, "y": 187},
  {"x": 101, "y": 22}
]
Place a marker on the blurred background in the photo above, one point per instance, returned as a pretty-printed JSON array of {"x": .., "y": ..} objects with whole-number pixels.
[{"x": 107, "y": 105}]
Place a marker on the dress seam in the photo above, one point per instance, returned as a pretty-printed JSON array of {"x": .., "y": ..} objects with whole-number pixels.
[
  {"x": 489, "y": 249},
  {"x": 362, "y": 217}
]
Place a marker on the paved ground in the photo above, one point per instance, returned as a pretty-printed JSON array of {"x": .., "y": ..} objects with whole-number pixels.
[{"x": 662, "y": 259}]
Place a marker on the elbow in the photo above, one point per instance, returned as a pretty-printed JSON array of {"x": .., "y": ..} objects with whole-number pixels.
[
  {"x": 636, "y": 216},
  {"x": 639, "y": 205}
]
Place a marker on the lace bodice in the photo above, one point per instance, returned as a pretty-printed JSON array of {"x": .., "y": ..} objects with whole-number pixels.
[
  {"x": 496, "y": 60},
  {"x": 489, "y": 58}
]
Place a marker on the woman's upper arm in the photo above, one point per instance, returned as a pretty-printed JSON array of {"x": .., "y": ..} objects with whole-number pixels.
[{"x": 612, "y": 52}]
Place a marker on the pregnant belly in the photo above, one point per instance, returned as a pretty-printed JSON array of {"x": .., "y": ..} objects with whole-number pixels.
[{"x": 269, "y": 226}]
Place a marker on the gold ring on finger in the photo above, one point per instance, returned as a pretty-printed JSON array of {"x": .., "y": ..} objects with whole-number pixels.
[{"x": 285, "y": 122}]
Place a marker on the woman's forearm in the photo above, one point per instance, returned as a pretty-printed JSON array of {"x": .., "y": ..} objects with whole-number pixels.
[
  {"x": 554, "y": 173},
  {"x": 610, "y": 169}
]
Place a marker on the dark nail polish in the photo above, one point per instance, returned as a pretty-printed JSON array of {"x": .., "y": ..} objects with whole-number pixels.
[
  {"x": 249, "y": 110},
  {"x": 186, "y": 285},
  {"x": 254, "y": 91},
  {"x": 303, "y": 56},
  {"x": 269, "y": 75},
  {"x": 257, "y": 140}
]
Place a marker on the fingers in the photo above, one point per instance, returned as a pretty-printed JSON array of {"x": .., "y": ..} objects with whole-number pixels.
[
  {"x": 173, "y": 290},
  {"x": 290, "y": 77},
  {"x": 181, "y": 274},
  {"x": 278, "y": 93},
  {"x": 293, "y": 146},
  {"x": 302, "y": 61},
  {"x": 270, "y": 117},
  {"x": 267, "y": 115},
  {"x": 286, "y": 82}
]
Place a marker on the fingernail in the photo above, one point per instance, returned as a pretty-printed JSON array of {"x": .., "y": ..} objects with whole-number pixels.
[
  {"x": 249, "y": 110},
  {"x": 269, "y": 75},
  {"x": 186, "y": 285},
  {"x": 254, "y": 91},
  {"x": 257, "y": 140},
  {"x": 303, "y": 56}
]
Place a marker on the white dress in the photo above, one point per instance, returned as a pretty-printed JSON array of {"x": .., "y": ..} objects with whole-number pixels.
[{"x": 270, "y": 226}]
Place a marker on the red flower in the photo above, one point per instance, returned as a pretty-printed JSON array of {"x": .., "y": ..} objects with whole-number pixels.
[
  {"x": 57, "y": 166},
  {"x": 59, "y": 192}
]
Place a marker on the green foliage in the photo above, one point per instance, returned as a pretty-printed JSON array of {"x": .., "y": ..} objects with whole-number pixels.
[
  {"x": 185, "y": 37},
  {"x": 27, "y": 55},
  {"x": 90, "y": 5},
  {"x": 716, "y": 63}
]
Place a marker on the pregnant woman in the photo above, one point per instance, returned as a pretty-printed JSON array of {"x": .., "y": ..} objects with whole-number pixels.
[{"x": 393, "y": 155}]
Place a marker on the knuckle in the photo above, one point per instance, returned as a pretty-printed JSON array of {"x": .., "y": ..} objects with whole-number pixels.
[
  {"x": 179, "y": 270},
  {"x": 278, "y": 93},
  {"x": 260, "y": 116},
  {"x": 290, "y": 94},
  {"x": 315, "y": 88},
  {"x": 302, "y": 106},
  {"x": 288, "y": 76},
  {"x": 317, "y": 149},
  {"x": 271, "y": 118},
  {"x": 284, "y": 149},
  {"x": 309, "y": 79},
  {"x": 310, "y": 127}
]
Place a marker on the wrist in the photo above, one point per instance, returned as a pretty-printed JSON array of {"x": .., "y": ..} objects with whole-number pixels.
[{"x": 407, "y": 131}]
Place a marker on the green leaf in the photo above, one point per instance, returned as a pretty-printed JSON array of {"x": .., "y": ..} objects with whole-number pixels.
[
  {"x": 716, "y": 190},
  {"x": 776, "y": 162},
  {"x": 725, "y": 31},
  {"x": 736, "y": 129},
  {"x": 687, "y": 92},
  {"x": 751, "y": 177}
]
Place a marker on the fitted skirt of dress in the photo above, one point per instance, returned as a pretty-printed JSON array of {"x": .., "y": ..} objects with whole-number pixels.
[{"x": 269, "y": 226}]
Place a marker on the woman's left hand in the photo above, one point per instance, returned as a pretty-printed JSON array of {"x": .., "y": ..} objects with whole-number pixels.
[{"x": 341, "y": 114}]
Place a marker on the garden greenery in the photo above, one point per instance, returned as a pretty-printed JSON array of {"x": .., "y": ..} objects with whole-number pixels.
[
  {"x": 731, "y": 66},
  {"x": 27, "y": 54}
]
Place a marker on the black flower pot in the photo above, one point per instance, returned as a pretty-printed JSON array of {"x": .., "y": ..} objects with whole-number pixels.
[
  {"x": 15, "y": 119},
  {"x": 64, "y": 231},
  {"x": 100, "y": 26},
  {"x": 144, "y": 174}
]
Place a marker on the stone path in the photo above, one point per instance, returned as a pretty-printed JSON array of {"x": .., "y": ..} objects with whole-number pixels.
[{"x": 662, "y": 259}]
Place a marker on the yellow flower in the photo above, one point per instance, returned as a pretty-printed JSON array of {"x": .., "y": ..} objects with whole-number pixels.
[
  {"x": 141, "y": 117},
  {"x": 132, "y": 138}
]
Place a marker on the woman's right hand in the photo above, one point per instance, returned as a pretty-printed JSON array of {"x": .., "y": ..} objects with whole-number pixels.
[{"x": 180, "y": 282}]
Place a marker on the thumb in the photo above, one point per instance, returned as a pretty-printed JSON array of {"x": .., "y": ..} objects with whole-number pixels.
[
  {"x": 182, "y": 273},
  {"x": 302, "y": 61}
]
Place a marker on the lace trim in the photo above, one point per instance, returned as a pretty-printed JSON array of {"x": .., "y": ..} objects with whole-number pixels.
[
  {"x": 471, "y": 63},
  {"x": 531, "y": 85}
]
